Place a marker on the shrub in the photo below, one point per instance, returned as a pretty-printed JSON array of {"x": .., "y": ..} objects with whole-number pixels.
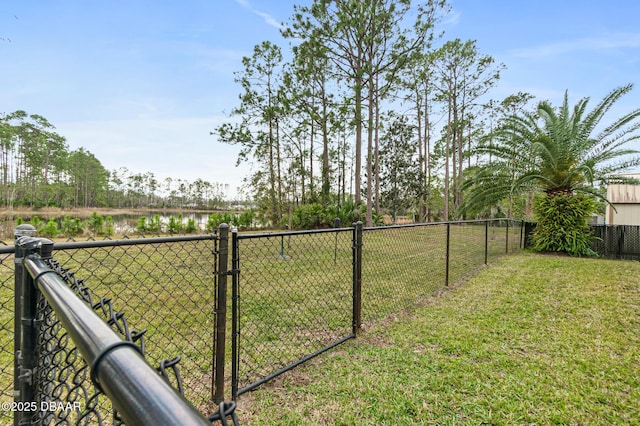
[
  {"x": 191, "y": 226},
  {"x": 154, "y": 224},
  {"x": 311, "y": 216},
  {"x": 37, "y": 223},
  {"x": 71, "y": 226},
  {"x": 174, "y": 226},
  {"x": 142, "y": 224},
  {"x": 95, "y": 223},
  {"x": 50, "y": 230},
  {"x": 213, "y": 222},
  {"x": 245, "y": 220},
  {"x": 563, "y": 224},
  {"x": 109, "y": 228}
]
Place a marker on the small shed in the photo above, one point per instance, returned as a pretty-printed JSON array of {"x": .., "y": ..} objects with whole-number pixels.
[{"x": 626, "y": 200}]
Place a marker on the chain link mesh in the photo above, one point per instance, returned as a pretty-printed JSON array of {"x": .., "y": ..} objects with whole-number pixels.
[
  {"x": 617, "y": 241},
  {"x": 467, "y": 248},
  {"x": 400, "y": 266},
  {"x": 62, "y": 377},
  {"x": 7, "y": 301},
  {"x": 166, "y": 288},
  {"x": 295, "y": 298}
]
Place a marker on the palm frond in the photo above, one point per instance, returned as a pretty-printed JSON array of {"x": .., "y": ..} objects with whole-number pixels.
[{"x": 554, "y": 149}]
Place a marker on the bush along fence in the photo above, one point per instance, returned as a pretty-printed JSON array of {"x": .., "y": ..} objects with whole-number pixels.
[
  {"x": 231, "y": 310},
  {"x": 609, "y": 241}
]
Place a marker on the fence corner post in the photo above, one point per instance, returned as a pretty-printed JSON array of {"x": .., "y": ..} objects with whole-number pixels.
[
  {"x": 357, "y": 278},
  {"x": 220, "y": 280},
  {"x": 25, "y": 305}
]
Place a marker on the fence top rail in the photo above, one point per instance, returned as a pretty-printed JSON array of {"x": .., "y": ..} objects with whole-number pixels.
[
  {"x": 137, "y": 391},
  {"x": 451, "y": 222},
  {"x": 287, "y": 233},
  {"x": 610, "y": 225},
  {"x": 120, "y": 242},
  {"x": 130, "y": 242}
]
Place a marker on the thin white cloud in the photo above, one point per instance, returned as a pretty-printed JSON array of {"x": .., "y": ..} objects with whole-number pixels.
[
  {"x": 612, "y": 43},
  {"x": 452, "y": 18},
  {"x": 270, "y": 20}
]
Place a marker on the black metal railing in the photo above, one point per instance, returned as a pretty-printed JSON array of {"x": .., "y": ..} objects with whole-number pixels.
[{"x": 167, "y": 286}]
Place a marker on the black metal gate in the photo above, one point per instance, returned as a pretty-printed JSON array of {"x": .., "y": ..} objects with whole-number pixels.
[{"x": 292, "y": 299}]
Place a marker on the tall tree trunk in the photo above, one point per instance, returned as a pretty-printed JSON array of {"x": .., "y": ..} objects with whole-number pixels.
[
  {"x": 446, "y": 165},
  {"x": 421, "y": 157},
  {"x": 311, "y": 144},
  {"x": 279, "y": 169},
  {"x": 370, "y": 177},
  {"x": 272, "y": 175},
  {"x": 376, "y": 154},
  {"x": 427, "y": 150},
  {"x": 326, "y": 182},
  {"x": 358, "y": 153}
]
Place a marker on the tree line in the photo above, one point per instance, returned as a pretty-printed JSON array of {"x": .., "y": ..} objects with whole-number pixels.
[
  {"x": 367, "y": 101},
  {"x": 371, "y": 110},
  {"x": 37, "y": 169},
  {"x": 368, "y": 110}
]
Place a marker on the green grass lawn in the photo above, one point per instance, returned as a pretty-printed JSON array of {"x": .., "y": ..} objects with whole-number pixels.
[{"x": 530, "y": 340}]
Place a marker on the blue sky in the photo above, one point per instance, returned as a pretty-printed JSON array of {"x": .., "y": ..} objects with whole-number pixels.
[{"x": 141, "y": 83}]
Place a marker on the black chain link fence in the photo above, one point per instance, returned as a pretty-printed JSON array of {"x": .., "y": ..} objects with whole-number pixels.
[
  {"x": 166, "y": 286},
  {"x": 617, "y": 241},
  {"x": 403, "y": 265},
  {"x": 62, "y": 379},
  {"x": 609, "y": 241},
  {"x": 297, "y": 294},
  {"x": 400, "y": 266},
  {"x": 293, "y": 297}
]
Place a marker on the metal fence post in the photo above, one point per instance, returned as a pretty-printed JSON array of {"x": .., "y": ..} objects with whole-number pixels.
[
  {"x": 26, "y": 299},
  {"x": 486, "y": 242},
  {"x": 222, "y": 271},
  {"x": 235, "y": 292},
  {"x": 507, "y": 238},
  {"x": 336, "y": 224},
  {"x": 357, "y": 277},
  {"x": 23, "y": 230},
  {"x": 446, "y": 268}
]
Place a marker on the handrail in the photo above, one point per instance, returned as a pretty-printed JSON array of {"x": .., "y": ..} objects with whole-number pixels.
[{"x": 139, "y": 394}]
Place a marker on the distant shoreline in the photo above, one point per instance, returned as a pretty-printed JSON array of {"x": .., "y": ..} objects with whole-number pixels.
[{"x": 84, "y": 213}]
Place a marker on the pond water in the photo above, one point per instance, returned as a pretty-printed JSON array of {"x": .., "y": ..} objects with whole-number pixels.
[{"x": 124, "y": 224}]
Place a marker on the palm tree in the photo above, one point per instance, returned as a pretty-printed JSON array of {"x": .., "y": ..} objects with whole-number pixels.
[{"x": 556, "y": 151}]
